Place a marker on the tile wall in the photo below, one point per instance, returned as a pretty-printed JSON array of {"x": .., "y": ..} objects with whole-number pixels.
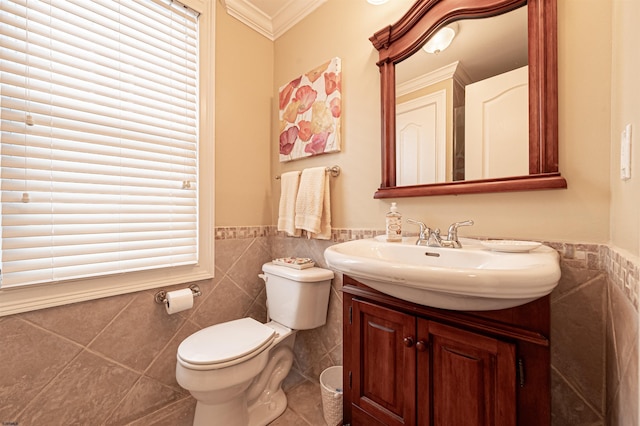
[
  {"x": 594, "y": 338},
  {"x": 112, "y": 361},
  {"x": 622, "y": 395}
]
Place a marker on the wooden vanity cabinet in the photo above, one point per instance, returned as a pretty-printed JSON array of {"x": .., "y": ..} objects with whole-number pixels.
[{"x": 406, "y": 364}]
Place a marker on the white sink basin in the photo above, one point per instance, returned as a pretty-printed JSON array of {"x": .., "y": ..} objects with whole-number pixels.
[{"x": 472, "y": 278}]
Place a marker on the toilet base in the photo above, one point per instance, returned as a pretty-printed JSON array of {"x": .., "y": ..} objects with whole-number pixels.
[
  {"x": 236, "y": 413},
  {"x": 267, "y": 400},
  {"x": 231, "y": 413},
  {"x": 263, "y": 414}
]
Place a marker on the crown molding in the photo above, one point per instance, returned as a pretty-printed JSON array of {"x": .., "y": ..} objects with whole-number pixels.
[
  {"x": 453, "y": 71},
  {"x": 271, "y": 18}
]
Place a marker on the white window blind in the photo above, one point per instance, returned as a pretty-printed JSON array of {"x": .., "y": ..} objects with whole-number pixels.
[{"x": 99, "y": 128}]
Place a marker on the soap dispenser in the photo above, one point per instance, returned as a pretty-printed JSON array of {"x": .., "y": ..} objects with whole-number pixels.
[{"x": 394, "y": 224}]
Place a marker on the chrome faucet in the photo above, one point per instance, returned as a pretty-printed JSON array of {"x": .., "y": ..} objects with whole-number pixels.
[
  {"x": 425, "y": 233},
  {"x": 432, "y": 238},
  {"x": 452, "y": 234}
]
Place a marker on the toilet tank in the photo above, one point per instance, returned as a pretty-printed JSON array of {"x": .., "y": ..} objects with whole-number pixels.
[{"x": 297, "y": 298}]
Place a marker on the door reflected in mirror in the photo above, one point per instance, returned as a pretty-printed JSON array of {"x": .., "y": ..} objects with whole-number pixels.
[{"x": 462, "y": 112}]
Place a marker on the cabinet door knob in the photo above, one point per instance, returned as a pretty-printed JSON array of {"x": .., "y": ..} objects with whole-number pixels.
[
  {"x": 408, "y": 341},
  {"x": 422, "y": 346}
]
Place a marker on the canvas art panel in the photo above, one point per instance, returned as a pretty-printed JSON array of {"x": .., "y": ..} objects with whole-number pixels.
[{"x": 310, "y": 110}]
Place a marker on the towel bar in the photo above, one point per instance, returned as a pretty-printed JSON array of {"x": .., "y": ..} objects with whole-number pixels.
[{"x": 335, "y": 171}]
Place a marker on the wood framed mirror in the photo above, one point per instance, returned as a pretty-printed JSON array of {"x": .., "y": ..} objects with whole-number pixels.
[{"x": 395, "y": 43}]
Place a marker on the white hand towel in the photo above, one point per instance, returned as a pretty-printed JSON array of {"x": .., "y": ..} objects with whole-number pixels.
[
  {"x": 313, "y": 204},
  {"x": 287, "y": 208}
]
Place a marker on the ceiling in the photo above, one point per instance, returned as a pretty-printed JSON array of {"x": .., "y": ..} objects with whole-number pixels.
[{"x": 271, "y": 18}]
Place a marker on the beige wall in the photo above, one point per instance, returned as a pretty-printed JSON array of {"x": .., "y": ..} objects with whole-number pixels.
[
  {"x": 625, "y": 109},
  {"x": 580, "y": 213},
  {"x": 597, "y": 206},
  {"x": 244, "y": 86}
]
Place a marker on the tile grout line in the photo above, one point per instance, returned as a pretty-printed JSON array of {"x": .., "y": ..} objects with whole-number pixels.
[
  {"x": 298, "y": 414},
  {"x": 577, "y": 393},
  {"x": 170, "y": 408},
  {"x": 116, "y": 316},
  {"x": 85, "y": 348},
  {"x": 574, "y": 290},
  {"x": 63, "y": 369},
  {"x": 151, "y": 363}
]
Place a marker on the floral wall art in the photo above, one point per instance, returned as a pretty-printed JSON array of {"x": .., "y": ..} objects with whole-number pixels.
[{"x": 310, "y": 110}]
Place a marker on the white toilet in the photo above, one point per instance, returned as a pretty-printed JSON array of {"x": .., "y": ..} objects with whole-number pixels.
[{"x": 235, "y": 369}]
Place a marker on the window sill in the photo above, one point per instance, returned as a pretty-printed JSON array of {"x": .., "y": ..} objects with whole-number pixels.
[{"x": 33, "y": 297}]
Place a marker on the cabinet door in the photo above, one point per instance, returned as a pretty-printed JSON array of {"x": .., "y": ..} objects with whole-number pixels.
[
  {"x": 465, "y": 379},
  {"x": 384, "y": 363}
]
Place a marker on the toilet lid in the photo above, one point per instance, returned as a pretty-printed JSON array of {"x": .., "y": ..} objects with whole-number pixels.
[{"x": 225, "y": 342}]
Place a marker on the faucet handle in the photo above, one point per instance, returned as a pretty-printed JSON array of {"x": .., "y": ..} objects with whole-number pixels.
[
  {"x": 452, "y": 234},
  {"x": 424, "y": 230},
  {"x": 422, "y": 226}
]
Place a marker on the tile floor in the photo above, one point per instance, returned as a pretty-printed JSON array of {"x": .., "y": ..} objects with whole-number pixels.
[{"x": 304, "y": 407}]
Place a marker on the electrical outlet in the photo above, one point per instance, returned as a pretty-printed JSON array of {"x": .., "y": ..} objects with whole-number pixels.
[{"x": 625, "y": 153}]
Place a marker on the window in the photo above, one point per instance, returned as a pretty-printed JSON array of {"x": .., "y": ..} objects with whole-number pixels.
[{"x": 101, "y": 104}]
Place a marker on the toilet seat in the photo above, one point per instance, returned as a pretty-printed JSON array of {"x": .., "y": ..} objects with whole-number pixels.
[{"x": 224, "y": 345}]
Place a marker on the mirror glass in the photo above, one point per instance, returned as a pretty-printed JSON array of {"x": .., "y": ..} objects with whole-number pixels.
[
  {"x": 457, "y": 163},
  {"x": 462, "y": 113}
]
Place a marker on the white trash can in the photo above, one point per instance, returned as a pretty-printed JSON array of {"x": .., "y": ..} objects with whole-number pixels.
[{"x": 331, "y": 387}]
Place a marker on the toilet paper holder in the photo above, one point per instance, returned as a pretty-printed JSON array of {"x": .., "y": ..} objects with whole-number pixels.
[{"x": 161, "y": 296}]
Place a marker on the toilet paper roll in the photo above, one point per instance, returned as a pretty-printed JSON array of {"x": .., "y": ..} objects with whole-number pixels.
[{"x": 179, "y": 300}]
